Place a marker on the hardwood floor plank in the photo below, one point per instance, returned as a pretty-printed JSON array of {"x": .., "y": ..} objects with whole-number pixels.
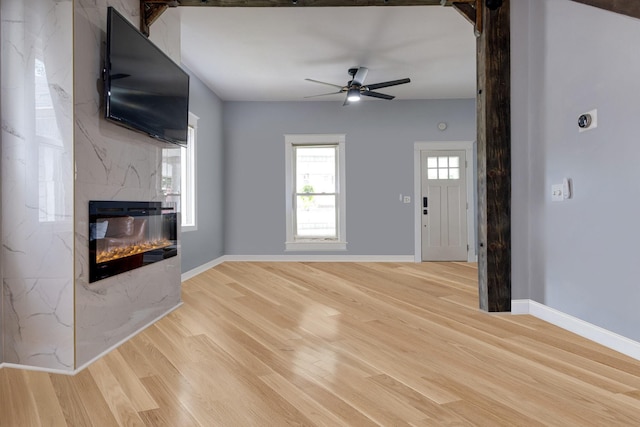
[
  {"x": 17, "y": 400},
  {"x": 49, "y": 410},
  {"x": 136, "y": 360},
  {"x": 81, "y": 400},
  {"x": 437, "y": 413},
  {"x": 170, "y": 412},
  {"x": 117, "y": 400},
  {"x": 336, "y": 344},
  {"x": 601, "y": 376},
  {"x": 131, "y": 385},
  {"x": 317, "y": 414}
]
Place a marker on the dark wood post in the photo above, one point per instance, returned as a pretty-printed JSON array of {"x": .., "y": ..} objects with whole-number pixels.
[
  {"x": 494, "y": 160},
  {"x": 624, "y": 7}
]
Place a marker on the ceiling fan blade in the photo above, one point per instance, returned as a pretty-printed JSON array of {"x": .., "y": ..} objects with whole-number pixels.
[
  {"x": 387, "y": 84},
  {"x": 361, "y": 74},
  {"x": 376, "y": 95},
  {"x": 324, "y": 83},
  {"x": 324, "y": 94},
  {"x": 346, "y": 101}
]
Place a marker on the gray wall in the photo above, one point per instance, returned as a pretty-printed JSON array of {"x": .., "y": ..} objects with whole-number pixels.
[
  {"x": 579, "y": 256},
  {"x": 207, "y": 242},
  {"x": 379, "y": 163}
]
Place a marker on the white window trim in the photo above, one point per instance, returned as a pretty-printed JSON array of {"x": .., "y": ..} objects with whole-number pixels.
[
  {"x": 319, "y": 244},
  {"x": 192, "y": 190}
]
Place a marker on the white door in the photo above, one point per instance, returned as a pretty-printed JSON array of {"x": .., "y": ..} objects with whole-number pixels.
[{"x": 444, "y": 205}]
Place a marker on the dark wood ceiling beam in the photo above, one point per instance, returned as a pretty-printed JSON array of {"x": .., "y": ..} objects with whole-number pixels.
[
  {"x": 472, "y": 11},
  {"x": 623, "y": 7},
  {"x": 467, "y": 10},
  {"x": 150, "y": 10},
  {"x": 310, "y": 3}
]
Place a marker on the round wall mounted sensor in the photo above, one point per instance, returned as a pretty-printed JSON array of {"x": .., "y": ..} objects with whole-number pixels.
[
  {"x": 584, "y": 121},
  {"x": 442, "y": 125}
]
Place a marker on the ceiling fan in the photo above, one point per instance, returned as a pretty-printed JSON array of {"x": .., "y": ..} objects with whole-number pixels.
[{"x": 356, "y": 87}]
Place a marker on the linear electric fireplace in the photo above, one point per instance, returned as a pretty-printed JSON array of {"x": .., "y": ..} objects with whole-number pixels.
[{"x": 128, "y": 235}]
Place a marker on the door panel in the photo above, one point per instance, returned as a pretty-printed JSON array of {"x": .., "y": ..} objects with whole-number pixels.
[
  {"x": 444, "y": 220},
  {"x": 434, "y": 238}
]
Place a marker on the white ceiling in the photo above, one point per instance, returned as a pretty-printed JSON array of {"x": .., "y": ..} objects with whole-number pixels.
[{"x": 265, "y": 54}]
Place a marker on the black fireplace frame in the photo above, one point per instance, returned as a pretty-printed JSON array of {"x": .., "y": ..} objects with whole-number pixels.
[{"x": 105, "y": 209}]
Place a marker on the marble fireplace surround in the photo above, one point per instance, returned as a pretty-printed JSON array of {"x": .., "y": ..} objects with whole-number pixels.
[{"x": 53, "y": 163}]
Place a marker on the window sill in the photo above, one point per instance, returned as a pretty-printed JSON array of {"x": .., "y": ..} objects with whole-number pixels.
[
  {"x": 187, "y": 228},
  {"x": 315, "y": 245}
]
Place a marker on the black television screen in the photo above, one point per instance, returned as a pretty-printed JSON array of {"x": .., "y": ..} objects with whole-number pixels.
[{"x": 144, "y": 89}]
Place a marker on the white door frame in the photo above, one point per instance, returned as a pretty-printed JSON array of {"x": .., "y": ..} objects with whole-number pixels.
[{"x": 469, "y": 149}]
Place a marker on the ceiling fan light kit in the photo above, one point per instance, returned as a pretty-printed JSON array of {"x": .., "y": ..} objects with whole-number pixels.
[
  {"x": 353, "y": 95},
  {"x": 356, "y": 88}
]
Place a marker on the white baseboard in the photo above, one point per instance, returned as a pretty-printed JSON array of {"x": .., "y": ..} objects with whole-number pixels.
[
  {"x": 37, "y": 368},
  {"x": 201, "y": 269},
  {"x": 320, "y": 258},
  {"x": 520, "y": 306},
  {"x": 587, "y": 330}
]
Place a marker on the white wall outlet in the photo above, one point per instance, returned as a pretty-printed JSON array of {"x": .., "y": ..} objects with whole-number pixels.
[{"x": 406, "y": 199}]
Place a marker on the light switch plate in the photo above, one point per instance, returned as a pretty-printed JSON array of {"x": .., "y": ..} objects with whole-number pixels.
[{"x": 557, "y": 194}]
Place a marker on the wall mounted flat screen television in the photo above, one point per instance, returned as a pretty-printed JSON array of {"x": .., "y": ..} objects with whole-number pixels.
[{"x": 144, "y": 89}]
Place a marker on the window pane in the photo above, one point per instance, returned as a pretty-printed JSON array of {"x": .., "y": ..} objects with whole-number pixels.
[
  {"x": 432, "y": 174},
  {"x": 178, "y": 179},
  {"x": 316, "y": 216},
  {"x": 454, "y": 173},
  {"x": 172, "y": 177},
  {"x": 186, "y": 188},
  {"x": 432, "y": 162},
  {"x": 442, "y": 174},
  {"x": 316, "y": 169},
  {"x": 443, "y": 162},
  {"x": 454, "y": 162}
]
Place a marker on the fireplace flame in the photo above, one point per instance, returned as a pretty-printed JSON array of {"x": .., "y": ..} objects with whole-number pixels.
[{"x": 133, "y": 249}]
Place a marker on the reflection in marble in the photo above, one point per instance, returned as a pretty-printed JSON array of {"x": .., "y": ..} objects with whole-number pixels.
[
  {"x": 37, "y": 182},
  {"x": 113, "y": 163}
]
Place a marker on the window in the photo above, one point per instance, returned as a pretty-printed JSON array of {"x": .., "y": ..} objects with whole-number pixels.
[
  {"x": 315, "y": 192},
  {"x": 179, "y": 177},
  {"x": 443, "y": 167}
]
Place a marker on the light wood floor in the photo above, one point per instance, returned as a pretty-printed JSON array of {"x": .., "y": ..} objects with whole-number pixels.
[{"x": 336, "y": 344}]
